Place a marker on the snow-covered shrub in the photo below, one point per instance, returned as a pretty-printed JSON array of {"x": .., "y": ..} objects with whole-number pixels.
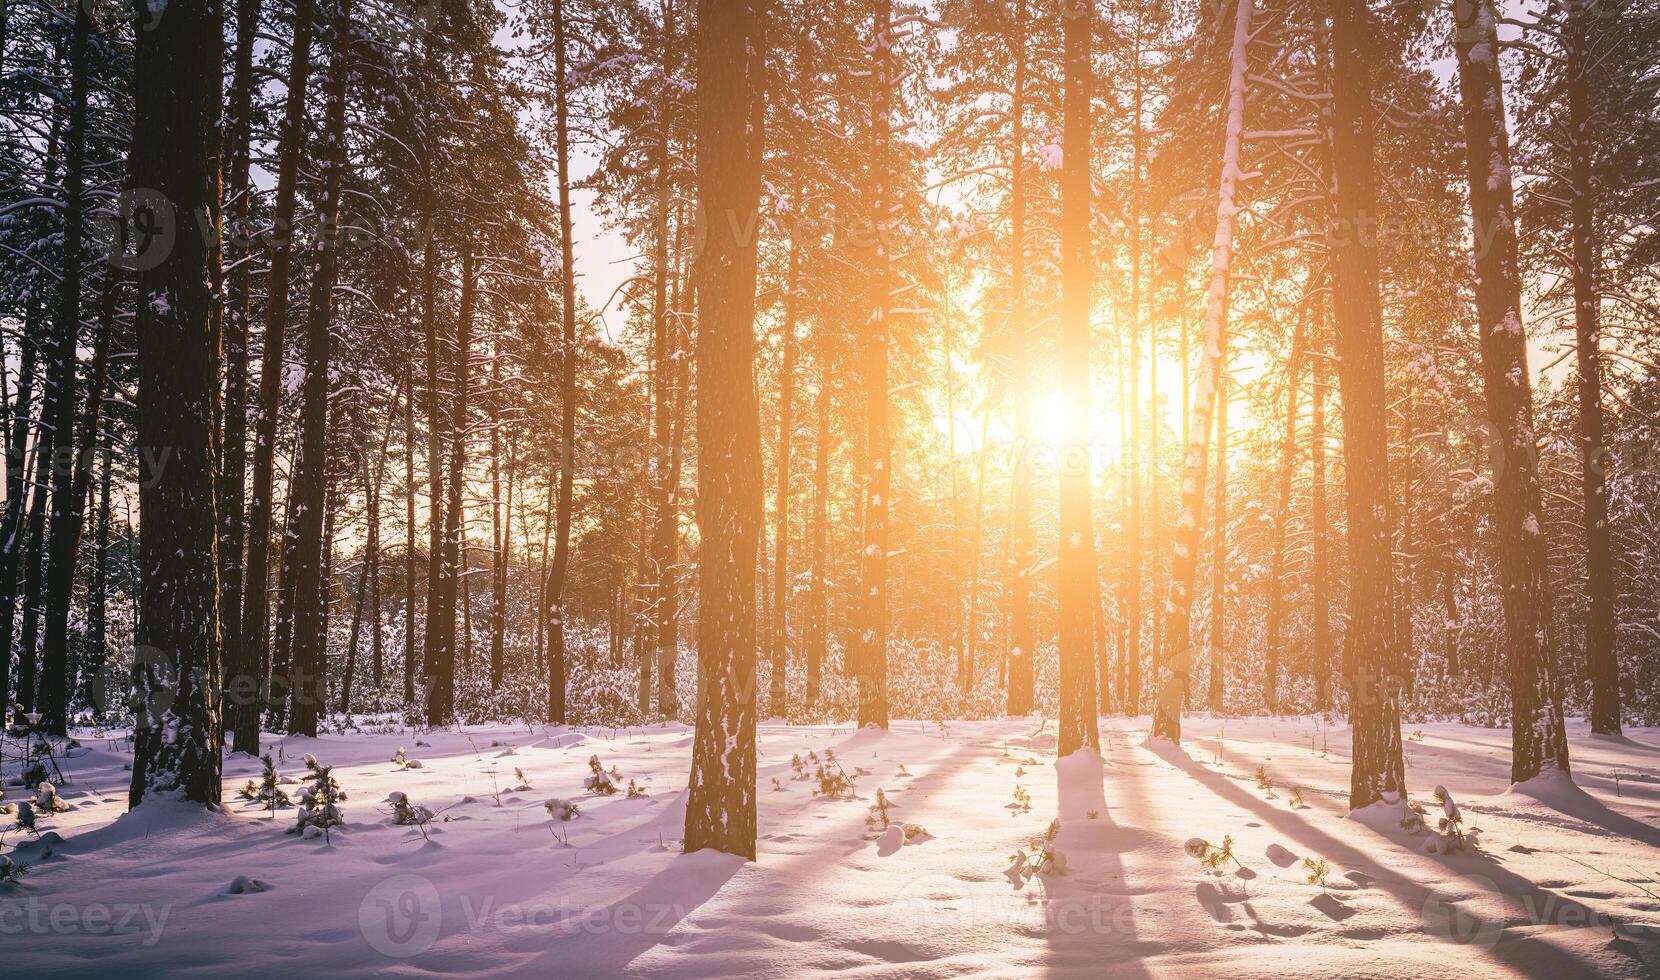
[
  {"x": 10, "y": 871},
  {"x": 1450, "y": 836},
  {"x": 320, "y": 799},
  {"x": 599, "y": 781},
  {"x": 268, "y": 792},
  {"x": 562, "y": 810},
  {"x": 406, "y": 813},
  {"x": 1044, "y": 858},
  {"x": 635, "y": 790},
  {"x": 47, "y": 799}
]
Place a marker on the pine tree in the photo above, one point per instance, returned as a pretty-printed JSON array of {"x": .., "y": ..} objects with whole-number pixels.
[
  {"x": 1370, "y": 670},
  {"x": 1538, "y": 739},
  {"x": 1078, "y": 729},
  {"x": 176, "y": 152},
  {"x": 731, "y": 59}
]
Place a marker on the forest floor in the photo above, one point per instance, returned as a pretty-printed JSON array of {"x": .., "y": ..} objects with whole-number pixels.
[{"x": 1563, "y": 883}]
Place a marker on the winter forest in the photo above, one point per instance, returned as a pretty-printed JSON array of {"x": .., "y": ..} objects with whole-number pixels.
[{"x": 770, "y": 488}]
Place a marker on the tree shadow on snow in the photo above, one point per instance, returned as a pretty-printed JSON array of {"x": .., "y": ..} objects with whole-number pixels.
[
  {"x": 1527, "y": 955},
  {"x": 1089, "y": 929}
]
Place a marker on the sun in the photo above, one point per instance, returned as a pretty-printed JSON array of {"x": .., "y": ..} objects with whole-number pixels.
[{"x": 1052, "y": 421}]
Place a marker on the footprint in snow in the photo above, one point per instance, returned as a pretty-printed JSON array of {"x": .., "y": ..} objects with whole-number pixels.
[{"x": 1280, "y": 856}]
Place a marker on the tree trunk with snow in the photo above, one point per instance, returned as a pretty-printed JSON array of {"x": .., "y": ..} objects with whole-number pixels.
[
  {"x": 1075, "y": 591},
  {"x": 1219, "y": 553},
  {"x": 176, "y": 89},
  {"x": 304, "y": 581},
  {"x": 1537, "y": 737},
  {"x": 64, "y": 544},
  {"x": 731, "y": 60},
  {"x": 1601, "y": 630},
  {"x": 553, "y": 598},
  {"x": 250, "y": 672},
  {"x": 1320, "y": 586},
  {"x": 1167, "y": 721},
  {"x": 1282, "y": 518},
  {"x": 1370, "y": 664},
  {"x": 818, "y": 599},
  {"x": 1022, "y": 636},
  {"x": 238, "y": 203},
  {"x": 11, "y": 525},
  {"x": 870, "y": 636}
]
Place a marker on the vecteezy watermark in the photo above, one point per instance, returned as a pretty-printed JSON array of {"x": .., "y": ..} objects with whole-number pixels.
[
  {"x": 38, "y": 917},
  {"x": 401, "y": 916}
]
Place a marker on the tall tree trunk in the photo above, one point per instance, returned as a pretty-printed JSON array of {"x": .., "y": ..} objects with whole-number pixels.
[
  {"x": 664, "y": 336},
  {"x": 54, "y": 681},
  {"x": 304, "y": 580},
  {"x": 1129, "y": 698},
  {"x": 668, "y": 519},
  {"x": 1167, "y": 721},
  {"x": 176, "y": 89},
  {"x": 786, "y": 434},
  {"x": 1077, "y": 574},
  {"x": 1370, "y": 666},
  {"x": 553, "y": 600},
  {"x": 731, "y": 60},
  {"x": 66, "y": 513},
  {"x": 1272, "y": 646},
  {"x": 971, "y": 649},
  {"x": 1219, "y": 554},
  {"x": 1022, "y": 639},
  {"x": 248, "y": 691},
  {"x": 870, "y": 638},
  {"x": 238, "y": 290},
  {"x": 1600, "y": 627},
  {"x": 353, "y": 642},
  {"x": 34, "y": 545},
  {"x": 441, "y": 693},
  {"x": 11, "y": 524},
  {"x": 1320, "y": 586},
  {"x": 409, "y": 646},
  {"x": 501, "y": 535},
  {"x": 1537, "y": 738},
  {"x": 97, "y": 610},
  {"x": 818, "y": 600}
]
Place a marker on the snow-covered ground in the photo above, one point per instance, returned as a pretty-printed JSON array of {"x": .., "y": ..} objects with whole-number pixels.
[{"x": 1563, "y": 883}]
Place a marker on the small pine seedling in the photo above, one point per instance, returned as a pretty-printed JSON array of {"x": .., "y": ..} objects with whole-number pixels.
[
  {"x": 599, "y": 781},
  {"x": 879, "y": 812},
  {"x": 1263, "y": 782},
  {"x": 562, "y": 810},
  {"x": 10, "y": 871},
  {"x": 1318, "y": 869},
  {"x": 320, "y": 800},
  {"x": 270, "y": 794},
  {"x": 409, "y": 814},
  {"x": 1209, "y": 855}
]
